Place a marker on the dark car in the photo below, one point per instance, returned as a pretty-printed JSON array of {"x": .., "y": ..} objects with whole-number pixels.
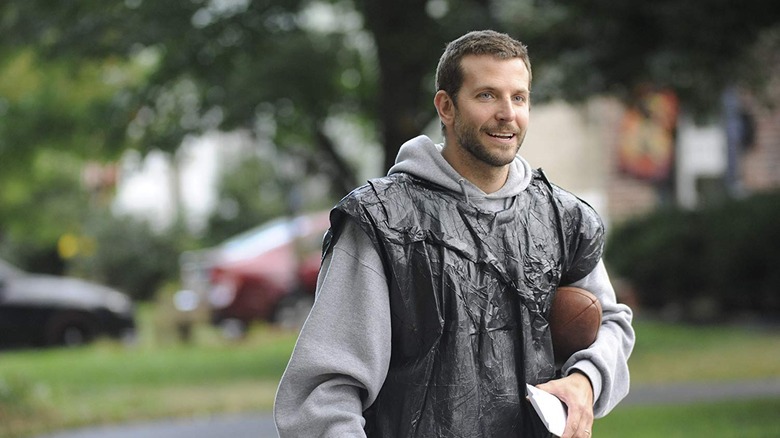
[
  {"x": 268, "y": 273},
  {"x": 45, "y": 310}
]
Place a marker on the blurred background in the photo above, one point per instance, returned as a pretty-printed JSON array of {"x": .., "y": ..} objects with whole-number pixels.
[{"x": 166, "y": 169}]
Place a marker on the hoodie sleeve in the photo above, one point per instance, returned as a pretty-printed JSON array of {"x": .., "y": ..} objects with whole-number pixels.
[
  {"x": 605, "y": 362},
  {"x": 342, "y": 355}
]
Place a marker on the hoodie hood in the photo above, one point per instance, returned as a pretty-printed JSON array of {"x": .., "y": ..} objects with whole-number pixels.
[{"x": 422, "y": 158}]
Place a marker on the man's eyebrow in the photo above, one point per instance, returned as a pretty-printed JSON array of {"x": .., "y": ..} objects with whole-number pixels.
[
  {"x": 493, "y": 88},
  {"x": 482, "y": 88}
]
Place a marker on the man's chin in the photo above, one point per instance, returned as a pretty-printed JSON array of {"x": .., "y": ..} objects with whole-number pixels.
[{"x": 498, "y": 160}]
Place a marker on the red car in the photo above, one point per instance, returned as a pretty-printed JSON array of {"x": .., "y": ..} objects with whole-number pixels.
[{"x": 268, "y": 273}]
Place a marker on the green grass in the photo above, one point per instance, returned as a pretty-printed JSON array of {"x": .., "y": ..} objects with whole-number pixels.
[
  {"x": 744, "y": 419},
  {"x": 45, "y": 390},
  {"x": 667, "y": 353}
]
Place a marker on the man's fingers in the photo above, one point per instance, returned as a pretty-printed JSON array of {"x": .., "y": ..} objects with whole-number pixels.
[
  {"x": 577, "y": 424},
  {"x": 575, "y": 391}
]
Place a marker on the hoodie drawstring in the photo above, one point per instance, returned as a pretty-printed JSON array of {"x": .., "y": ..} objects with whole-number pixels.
[{"x": 462, "y": 183}]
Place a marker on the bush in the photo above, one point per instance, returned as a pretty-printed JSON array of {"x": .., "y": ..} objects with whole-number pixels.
[
  {"x": 130, "y": 256},
  {"x": 725, "y": 255},
  {"x": 121, "y": 252}
]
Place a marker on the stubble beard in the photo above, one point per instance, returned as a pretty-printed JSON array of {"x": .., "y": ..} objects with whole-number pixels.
[{"x": 467, "y": 137}]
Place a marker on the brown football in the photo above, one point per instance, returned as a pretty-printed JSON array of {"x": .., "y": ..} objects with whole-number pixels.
[{"x": 575, "y": 318}]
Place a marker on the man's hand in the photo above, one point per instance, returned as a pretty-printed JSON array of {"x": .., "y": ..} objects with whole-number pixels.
[{"x": 576, "y": 392}]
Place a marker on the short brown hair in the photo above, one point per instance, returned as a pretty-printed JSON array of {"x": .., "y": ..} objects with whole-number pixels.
[{"x": 449, "y": 75}]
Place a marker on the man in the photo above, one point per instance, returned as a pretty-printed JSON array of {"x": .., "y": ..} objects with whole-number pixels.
[{"x": 437, "y": 280}]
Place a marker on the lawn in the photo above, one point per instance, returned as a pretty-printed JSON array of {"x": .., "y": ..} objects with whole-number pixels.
[
  {"x": 672, "y": 353},
  {"x": 744, "y": 419},
  {"x": 107, "y": 382},
  {"x": 44, "y": 390}
]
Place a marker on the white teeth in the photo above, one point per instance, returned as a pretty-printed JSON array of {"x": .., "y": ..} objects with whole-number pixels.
[{"x": 506, "y": 136}]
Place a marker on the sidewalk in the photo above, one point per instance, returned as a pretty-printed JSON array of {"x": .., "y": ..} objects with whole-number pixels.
[
  {"x": 248, "y": 425},
  {"x": 689, "y": 392}
]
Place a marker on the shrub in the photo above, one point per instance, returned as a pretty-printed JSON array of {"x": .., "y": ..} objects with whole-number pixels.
[
  {"x": 725, "y": 254},
  {"x": 121, "y": 252},
  {"x": 130, "y": 256}
]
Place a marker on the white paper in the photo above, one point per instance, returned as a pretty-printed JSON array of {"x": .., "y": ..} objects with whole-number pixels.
[{"x": 551, "y": 410}]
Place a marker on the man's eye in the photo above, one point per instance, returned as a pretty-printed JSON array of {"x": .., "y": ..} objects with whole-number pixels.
[
  {"x": 520, "y": 98},
  {"x": 485, "y": 95}
]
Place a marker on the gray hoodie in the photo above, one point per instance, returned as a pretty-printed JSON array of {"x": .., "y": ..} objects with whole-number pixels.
[{"x": 342, "y": 355}]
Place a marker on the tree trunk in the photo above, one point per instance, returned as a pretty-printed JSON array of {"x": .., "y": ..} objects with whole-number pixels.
[
  {"x": 343, "y": 174},
  {"x": 408, "y": 46}
]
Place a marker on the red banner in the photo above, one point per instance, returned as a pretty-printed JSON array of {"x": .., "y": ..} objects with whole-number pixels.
[{"x": 647, "y": 137}]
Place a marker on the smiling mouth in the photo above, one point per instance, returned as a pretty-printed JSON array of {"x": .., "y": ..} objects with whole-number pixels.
[{"x": 502, "y": 136}]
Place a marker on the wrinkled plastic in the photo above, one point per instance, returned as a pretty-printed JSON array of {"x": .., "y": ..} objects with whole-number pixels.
[{"x": 470, "y": 292}]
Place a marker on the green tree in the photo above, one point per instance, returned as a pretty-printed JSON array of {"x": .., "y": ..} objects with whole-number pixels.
[
  {"x": 89, "y": 79},
  {"x": 281, "y": 71},
  {"x": 589, "y": 47},
  {"x": 249, "y": 196},
  {"x": 50, "y": 114},
  {"x": 52, "y": 185},
  {"x": 213, "y": 65},
  {"x": 579, "y": 49},
  {"x": 94, "y": 78}
]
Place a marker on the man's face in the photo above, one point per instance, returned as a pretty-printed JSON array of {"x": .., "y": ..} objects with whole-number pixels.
[{"x": 492, "y": 111}]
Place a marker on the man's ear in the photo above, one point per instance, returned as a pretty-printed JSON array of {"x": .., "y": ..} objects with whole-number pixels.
[{"x": 445, "y": 106}]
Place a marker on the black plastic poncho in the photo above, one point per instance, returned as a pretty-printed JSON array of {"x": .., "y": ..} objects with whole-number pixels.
[{"x": 470, "y": 292}]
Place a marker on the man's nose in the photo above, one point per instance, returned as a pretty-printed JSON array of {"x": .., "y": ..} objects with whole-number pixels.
[{"x": 506, "y": 110}]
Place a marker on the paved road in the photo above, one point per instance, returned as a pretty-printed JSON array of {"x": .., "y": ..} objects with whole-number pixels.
[
  {"x": 701, "y": 392},
  {"x": 260, "y": 425}
]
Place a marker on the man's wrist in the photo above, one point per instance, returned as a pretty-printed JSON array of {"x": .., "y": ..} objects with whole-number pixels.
[
  {"x": 578, "y": 371},
  {"x": 589, "y": 370}
]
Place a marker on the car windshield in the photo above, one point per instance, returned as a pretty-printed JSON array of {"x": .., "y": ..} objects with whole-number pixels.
[{"x": 258, "y": 240}]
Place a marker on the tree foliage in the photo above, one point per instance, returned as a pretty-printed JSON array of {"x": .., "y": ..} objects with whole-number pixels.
[
  {"x": 697, "y": 49},
  {"x": 212, "y": 65},
  {"x": 221, "y": 64},
  {"x": 93, "y": 78},
  {"x": 39, "y": 208},
  {"x": 249, "y": 195},
  {"x": 51, "y": 105}
]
